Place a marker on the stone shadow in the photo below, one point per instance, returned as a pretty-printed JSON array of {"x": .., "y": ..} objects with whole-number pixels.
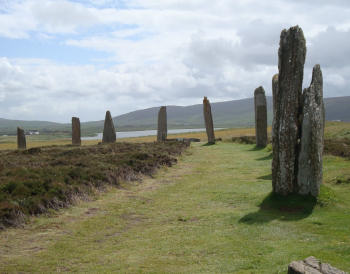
[
  {"x": 265, "y": 177},
  {"x": 208, "y": 144},
  {"x": 285, "y": 208},
  {"x": 268, "y": 157},
  {"x": 256, "y": 148}
]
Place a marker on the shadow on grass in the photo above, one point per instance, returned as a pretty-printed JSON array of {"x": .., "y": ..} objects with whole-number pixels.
[
  {"x": 266, "y": 177},
  {"x": 285, "y": 208},
  {"x": 268, "y": 157},
  {"x": 208, "y": 144},
  {"x": 256, "y": 148}
]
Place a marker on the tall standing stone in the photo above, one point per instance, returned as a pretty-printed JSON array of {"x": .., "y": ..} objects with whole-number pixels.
[
  {"x": 260, "y": 117},
  {"x": 162, "y": 125},
  {"x": 274, "y": 101},
  {"x": 311, "y": 149},
  {"x": 291, "y": 62},
  {"x": 109, "y": 134},
  {"x": 21, "y": 139},
  {"x": 76, "y": 134},
  {"x": 208, "y": 119},
  {"x": 274, "y": 123}
]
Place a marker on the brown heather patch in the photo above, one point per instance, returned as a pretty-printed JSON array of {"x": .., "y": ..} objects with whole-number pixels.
[
  {"x": 35, "y": 180},
  {"x": 337, "y": 147}
]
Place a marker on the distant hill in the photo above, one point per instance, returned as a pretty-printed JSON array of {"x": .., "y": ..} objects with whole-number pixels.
[
  {"x": 237, "y": 113},
  {"x": 10, "y": 126}
]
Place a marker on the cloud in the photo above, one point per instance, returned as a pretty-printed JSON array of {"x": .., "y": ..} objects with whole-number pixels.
[{"x": 161, "y": 52}]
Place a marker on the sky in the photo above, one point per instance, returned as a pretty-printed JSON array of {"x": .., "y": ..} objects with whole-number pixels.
[{"x": 61, "y": 58}]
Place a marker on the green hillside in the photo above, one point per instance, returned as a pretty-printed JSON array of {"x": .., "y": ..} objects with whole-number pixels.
[{"x": 237, "y": 113}]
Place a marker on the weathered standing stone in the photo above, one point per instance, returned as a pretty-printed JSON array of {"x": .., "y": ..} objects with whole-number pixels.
[
  {"x": 274, "y": 124},
  {"x": 109, "y": 134},
  {"x": 311, "y": 149},
  {"x": 208, "y": 119},
  {"x": 21, "y": 139},
  {"x": 291, "y": 61},
  {"x": 76, "y": 135},
  {"x": 162, "y": 125},
  {"x": 260, "y": 117},
  {"x": 274, "y": 96}
]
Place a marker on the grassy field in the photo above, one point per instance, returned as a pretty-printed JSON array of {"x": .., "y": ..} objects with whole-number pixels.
[
  {"x": 333, "y": 130},
  {"x": 9, "y": 142},
  {"x": 211, "y": 213}
]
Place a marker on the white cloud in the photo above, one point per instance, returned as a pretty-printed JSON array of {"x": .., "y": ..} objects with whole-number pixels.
[{"x": 163, "y": 52}]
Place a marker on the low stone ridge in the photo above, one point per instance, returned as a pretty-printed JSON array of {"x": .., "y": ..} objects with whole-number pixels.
[
  {"x": 109, "y": 134},
  {"x": 311, "y": 265},
  {"x": 260, "y": 117},
  {"x": 208, "y": 119},
  {"x": 162, "y": 132},
  {"x": 76, "y": 133},
  {"x": 21, "y": 139},
  {"x": 184, "y": 140},
  {"x": 311, "y": 149}
]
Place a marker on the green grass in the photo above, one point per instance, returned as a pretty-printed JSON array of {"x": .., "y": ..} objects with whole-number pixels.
[
  {"x": 211, "y": 213},
  {"x": 339, "y": 130},
  {"x": 10, "y": 142}
]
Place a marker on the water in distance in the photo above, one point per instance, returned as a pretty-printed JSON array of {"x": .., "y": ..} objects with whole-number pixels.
[{"x": 142, "y": 133}]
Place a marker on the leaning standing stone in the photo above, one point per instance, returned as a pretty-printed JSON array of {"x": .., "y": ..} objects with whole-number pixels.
[
  {"x": 162, "y": 125},
  {"x": 76, "y": 135},
  {"x": 208, "y": 118},
  {"x": 260, "y": 117},
  {"x": 311, "y": 150},
  {"x": 109, "y": 134},
  {"x": 291, "y": 61},
  {"x": 21, "y": 139}
]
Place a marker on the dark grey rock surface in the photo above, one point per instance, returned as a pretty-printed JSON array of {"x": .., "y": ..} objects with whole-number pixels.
[
  {"x": 260, "y": 117},
  {"x": 311, "y": 142},
  {"x": 291, "y": 60},
  {"x": 109, "y": 134},
  {"x": 76, "y": 133},
  {"x": 162, "y": 132},
  {"x": 21, "y": 139},
  {"x": 208, "y": 119}
]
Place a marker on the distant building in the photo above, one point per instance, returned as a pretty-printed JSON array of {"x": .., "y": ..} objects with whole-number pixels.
[{"x": 32, "y": 132}]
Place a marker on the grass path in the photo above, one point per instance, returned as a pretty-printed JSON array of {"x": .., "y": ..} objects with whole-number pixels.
[{"x": 201, "y": 215}]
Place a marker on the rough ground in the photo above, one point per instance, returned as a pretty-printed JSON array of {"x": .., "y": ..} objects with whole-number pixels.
[{"x": 210, "y": 213}]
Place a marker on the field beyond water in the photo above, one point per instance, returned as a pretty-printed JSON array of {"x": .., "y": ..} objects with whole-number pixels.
[{"x": 210, "y": 213}]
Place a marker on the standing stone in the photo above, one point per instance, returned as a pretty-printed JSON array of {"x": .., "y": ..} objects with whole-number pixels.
[
  {"x": 109, "y": 134},
  {"x": 274, "y": 124},
  {"x": 76, "y": 135},
  {"x": 291, "y": 62},
  {"x": 21, "y": 139},
  {"x": 162, "y": 125},
  {"x": 274, "y": 97},
  {"x": 260, "y": 117},
  {"x": 208, "y": 119},
  {"x": 311, "y": 150}
]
